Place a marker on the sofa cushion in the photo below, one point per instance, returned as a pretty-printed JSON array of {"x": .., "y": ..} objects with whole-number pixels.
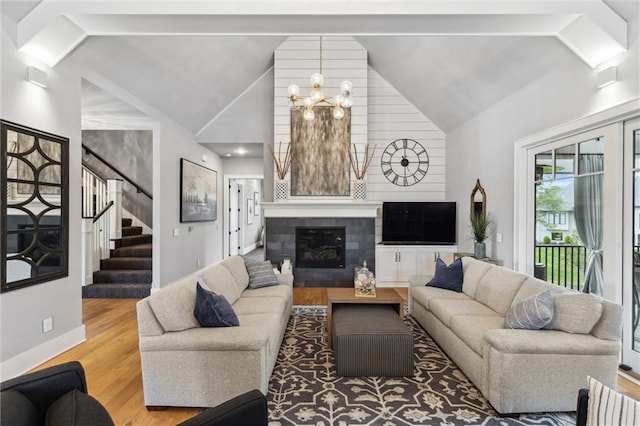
[
  {"x": 173, "y": 305},
  {"x": 446, "y": 309},
  {"x": 213, "y": 310},
  {"x": 76, "y": 408},
  {"x": 498, "y": 287},
  {"x": 236, "y": 265},
  {"x": 532, "y": 286},
  {"x": 18, "y": 410},
  {"x": 472, "y": 328},
  {"x": 262, "y": 305},
  {"x": 608, "y": 407},
  {"x": 474, "y": 270},
  {"x": 448, "y": 277},
  {"x": 531, "y": 313},
  {"x": 575, "y": 312},
  {"x": 261, "y": 274},
  {"x": 423, "y": 295},
  {"x": 220, "y": 280}
]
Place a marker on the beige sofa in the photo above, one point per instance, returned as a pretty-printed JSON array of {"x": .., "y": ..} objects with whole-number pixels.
[
  {"x": 517, "y": 370},
  {"x": 184, "y": 364}
]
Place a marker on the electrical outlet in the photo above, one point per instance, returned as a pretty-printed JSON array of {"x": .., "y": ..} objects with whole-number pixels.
[
  {"x": 47, "y": 325},
  {"x": 197, "y": 263},
  {"x": 176, "y": 232},
  {"x": 498, "y": 237}
]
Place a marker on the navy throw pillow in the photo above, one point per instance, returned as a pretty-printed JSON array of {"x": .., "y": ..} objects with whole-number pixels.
[
  {"x": 213, "y": 310},
  {"x": 448, "y": 277}
]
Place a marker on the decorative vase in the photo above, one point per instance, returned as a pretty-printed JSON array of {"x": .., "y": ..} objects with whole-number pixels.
[
  {"x": 281, "y": 192},
  {"x": 285, "y": 266},
  {"x": 359, "y": 191},
  {"x": 479, "y": 250}
]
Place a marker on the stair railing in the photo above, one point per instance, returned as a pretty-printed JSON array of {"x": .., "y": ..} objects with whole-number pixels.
[{"x": 98, "y": 214}]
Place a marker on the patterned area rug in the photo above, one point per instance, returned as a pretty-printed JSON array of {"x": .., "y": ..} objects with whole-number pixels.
[{"x": 305, "y": 391}]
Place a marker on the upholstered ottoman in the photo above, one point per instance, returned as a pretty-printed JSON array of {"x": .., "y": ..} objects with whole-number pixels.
[{"x": 371, "y": 340}]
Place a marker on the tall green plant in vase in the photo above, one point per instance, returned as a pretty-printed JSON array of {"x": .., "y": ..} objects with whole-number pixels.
[{"x": 480, "y": 225}]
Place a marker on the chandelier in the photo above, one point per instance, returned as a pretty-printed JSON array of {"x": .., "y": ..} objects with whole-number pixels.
[{"x": 339, "y": 102}]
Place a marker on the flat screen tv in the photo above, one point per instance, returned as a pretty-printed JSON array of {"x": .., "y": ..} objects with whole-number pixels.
[{"x": 420, "y": 223}]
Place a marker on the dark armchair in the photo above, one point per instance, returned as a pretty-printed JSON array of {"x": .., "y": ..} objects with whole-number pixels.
[
  {"x": 248, "y": 409},
  {"x": 56, "y": 394}
]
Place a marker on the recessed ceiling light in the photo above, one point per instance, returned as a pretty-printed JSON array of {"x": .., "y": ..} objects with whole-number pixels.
[
  {"x": 241, "y": 151},
  {"x": 228, "y": 154}
]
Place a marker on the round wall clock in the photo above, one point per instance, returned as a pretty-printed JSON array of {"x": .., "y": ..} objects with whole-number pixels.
[{"x": 404, "y": 162}]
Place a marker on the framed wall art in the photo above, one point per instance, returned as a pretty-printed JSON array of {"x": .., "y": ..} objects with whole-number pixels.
[
  {"x": 249, "y": 211},
  {"x": 320, "y": 153},
  {"x": 198, "y": 192}
]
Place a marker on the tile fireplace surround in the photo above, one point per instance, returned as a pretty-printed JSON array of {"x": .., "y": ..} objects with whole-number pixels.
[{"x": 358, "y": 219}]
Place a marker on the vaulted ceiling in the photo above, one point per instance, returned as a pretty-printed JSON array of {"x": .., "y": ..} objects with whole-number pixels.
[{"x": 191, "y": 59}]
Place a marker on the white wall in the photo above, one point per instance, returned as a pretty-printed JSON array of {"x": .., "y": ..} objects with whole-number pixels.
[
  {"x": 199, "y": 243},
  {"x": 391, "y": 116},
  {"x": 243, "y": 166},
  {"x": 55, "y": 109},
  {"x": 251, "y": 233},
  {"x": 484, "y": 146}
]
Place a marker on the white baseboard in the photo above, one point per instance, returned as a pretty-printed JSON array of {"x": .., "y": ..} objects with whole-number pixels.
[
  {"x": 33, "y": 357},
  {"x": 250, "y": 248}
]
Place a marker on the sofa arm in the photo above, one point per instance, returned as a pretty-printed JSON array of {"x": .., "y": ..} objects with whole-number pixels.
[
  {"x": 208, "y": 339},
  {"x": 44, "y": 387},
  {"x": 248, "y": 409},
  {"x": 517, "y": 341}
]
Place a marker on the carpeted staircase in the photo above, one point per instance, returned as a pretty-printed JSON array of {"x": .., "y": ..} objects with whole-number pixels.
[{"x": 127, "y": 273}]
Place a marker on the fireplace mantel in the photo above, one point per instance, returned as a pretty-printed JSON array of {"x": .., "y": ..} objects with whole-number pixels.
[{"x": 321, "y": 208}]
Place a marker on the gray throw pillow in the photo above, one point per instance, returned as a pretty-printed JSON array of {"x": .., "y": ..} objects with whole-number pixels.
[
  {"x": 531, "y": 313},
  {"x": 261, "y": 274},
  {"x": 213, "y": 310}
]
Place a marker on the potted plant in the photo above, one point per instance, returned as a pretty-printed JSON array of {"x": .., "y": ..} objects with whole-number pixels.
[{"x": 480, "y": 230}]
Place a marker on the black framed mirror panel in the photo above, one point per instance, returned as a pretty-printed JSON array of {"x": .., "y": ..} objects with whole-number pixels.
[{"x": 35, "y": 206}]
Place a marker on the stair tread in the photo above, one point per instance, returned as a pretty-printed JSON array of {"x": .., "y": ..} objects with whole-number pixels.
[{"x": 116, "y": 290}]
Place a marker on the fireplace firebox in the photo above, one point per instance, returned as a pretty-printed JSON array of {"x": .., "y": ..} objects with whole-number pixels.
[{"x": 320, "y": 247}]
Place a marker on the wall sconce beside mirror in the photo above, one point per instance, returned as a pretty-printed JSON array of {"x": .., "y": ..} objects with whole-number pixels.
[
  {"x": 34, "y": 206},
  {"x": 478, "y": 201}
]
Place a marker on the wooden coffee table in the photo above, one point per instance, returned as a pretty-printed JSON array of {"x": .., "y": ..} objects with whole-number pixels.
[{"x": 384, "y": 296}]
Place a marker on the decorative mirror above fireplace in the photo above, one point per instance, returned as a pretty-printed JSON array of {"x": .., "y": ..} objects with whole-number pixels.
[{"x": 34, "y": 209}]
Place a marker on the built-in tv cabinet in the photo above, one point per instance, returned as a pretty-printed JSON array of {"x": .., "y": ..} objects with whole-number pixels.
[{"x": 396, "y": 263}]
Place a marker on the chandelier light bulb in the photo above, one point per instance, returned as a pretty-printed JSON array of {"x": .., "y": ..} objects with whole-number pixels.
[
  {"x": 347, "y": 101},
  {"x": 317, "y": 94},
  {"x": 308, "y": 102},
  {"x": 346, "y": 86},
  {"x": 294, "y": 90},
  {"x": 317, "y": 79},
  {"x": 338, "y": 113},
  {"x": 308, "y": 114}
]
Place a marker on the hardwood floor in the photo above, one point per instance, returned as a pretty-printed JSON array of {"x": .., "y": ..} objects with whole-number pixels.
[{"x": 111, "y": 359}]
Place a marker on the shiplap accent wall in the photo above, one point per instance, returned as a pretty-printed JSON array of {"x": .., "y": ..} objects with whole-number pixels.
[
  {"x": 297, "y": 58},
  {"x": 379, "y": 115},
  {"x": 391, "y": 116}
]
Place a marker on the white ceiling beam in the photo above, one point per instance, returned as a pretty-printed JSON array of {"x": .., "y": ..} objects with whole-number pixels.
[{"x": 589, "y": 27}]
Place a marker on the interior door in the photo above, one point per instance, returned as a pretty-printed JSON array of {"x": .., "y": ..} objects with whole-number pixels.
[
  {"x": 234, "y": 208},
  {"x": 631, "y": 279}
]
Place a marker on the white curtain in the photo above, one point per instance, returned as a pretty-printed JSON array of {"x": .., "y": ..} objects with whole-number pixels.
[{"x": 588, "y": 216}]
